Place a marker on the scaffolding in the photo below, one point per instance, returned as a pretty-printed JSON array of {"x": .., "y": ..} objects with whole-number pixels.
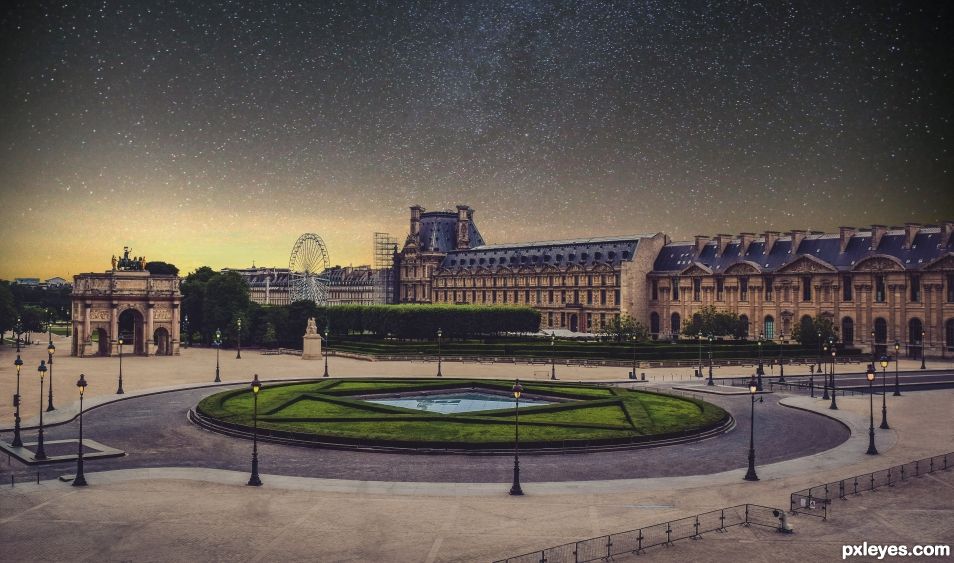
[{"x": 384, "y": 248}]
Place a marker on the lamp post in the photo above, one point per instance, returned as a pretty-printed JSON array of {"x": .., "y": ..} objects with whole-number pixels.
[
  {"x": 50, "y": 350},
  {"x": 820, "y": 343},
  {"x": 922, "y": 351},
  {"x": 40, "y": 452},
  {"x": 188, "y": 335},
  {"x": 255, "y": 480},
  {"x": 515, "y": 488},
  {"x": 834, "y": 405},
  {"x": 238, "y": 353},
  {"x": 17, "y": 441},
  {"x": 781, "y": 366},
  {"x": 874, "y": 349},
  {"x": 884, "y": 399},
  {"x": 19, "y": 330},
  {"x": 635, "y": 341},
  {"x": 825, "y": 376},
  {"x": 440, "y": 333},
  {"x": 119, "y": 390},
  {"x": 897, "y": 385},
  {"x": 552, "y": 355},
  {"x": 325, "y": 348},
  {"x": 699, "y": 339},
  {"x": 80, "y": 479},
  {"x": 750, "y": 475},
  {"x": 870, "y": 374},
  {"x": 217, "y": 342},
  {"x": 710, "y": 382},
  {"x": 760, "y": 370}
]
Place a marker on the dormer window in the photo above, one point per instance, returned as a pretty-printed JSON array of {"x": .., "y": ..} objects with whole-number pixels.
[
  {"x": 625, "y": 255},
  {"x": 598, "y": 256}
]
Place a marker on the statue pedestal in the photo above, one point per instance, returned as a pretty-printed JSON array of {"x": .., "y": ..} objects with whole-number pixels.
[{"x": 311, "y": 347}]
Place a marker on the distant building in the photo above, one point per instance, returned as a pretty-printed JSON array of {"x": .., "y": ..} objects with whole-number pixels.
[
  {"x": 35, "y": 282},
  {"x": 351, "y": 285},
  {"x": 56, "y": 282},
  {"x": 268, "y": 286}
]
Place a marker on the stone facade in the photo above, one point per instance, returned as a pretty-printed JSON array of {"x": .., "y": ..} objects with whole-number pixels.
[
  {"x": 876, "y": 285},
  {"x": 351, "y": 285},
  {"x": 140, "y": 307},
  {"x": 267, "y": 286}
]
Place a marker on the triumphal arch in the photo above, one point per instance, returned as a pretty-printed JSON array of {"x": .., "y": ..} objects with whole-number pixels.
[{"x": 127, "y": 303}]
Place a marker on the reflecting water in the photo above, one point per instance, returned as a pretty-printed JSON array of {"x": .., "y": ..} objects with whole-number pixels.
[{"x": 450, "y": 403}]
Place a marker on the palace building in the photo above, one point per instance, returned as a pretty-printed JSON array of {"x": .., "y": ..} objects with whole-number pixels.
[{"x": 876, "y": 285}]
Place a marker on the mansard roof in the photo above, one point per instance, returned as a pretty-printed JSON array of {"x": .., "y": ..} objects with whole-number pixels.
[
  {"x": 362, "y": 275},
  {"x": 439, "y": 232},
  {"x": 583, "y": 252},
  {"x": 676, "y": 257}
]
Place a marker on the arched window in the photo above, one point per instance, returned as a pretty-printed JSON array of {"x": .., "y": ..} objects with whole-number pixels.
[
  {"x": 675, "y": 324},
  {"x": 915, "y": 337},
  {"x": 743, "y": 326},
  {"x": 880, "y": 335},
  {"x": 768, "y": 330},
  {"x": 847, "y": 330},
  {"x": 654, "y": 325}
]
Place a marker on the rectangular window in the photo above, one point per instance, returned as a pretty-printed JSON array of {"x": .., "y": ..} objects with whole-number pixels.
[
  {"x": 915, "y": 288},
  {"x": 674, "y": 284},
  {"x": 550, "y": 296},
  {"x": 539, "y": 295},
  {"x": 473, "y": 296},
  {"x": 696, "y": 289},
  {"x": 562, "y": 319},
  {"x": 806, "y": 288},
  {"x": 950, "y": 288},
  {"x": 603, "y": 279},
  {"x": 549, "y": 319},
  {"x": 526, "y": 296},
  {"x": 720, "y": 287},
  {"x": 576, "y": 296},
  {"x": 881, "y": 294},
  {"x": 768, "y": 281},
  {"x": 493, "y": 296},
  {"x": 616, "y": 295},
  {"x": 602, "y": 320},
  {"x": 506, "y": 296},
  {"x": 846, "y": 288},
  {"x": 589, "y": 297},
  {"x": 743, "y": 289},
  {"x": 602, "y": 297},
  {"x": 589, "y": 280},
  {"x": 655, "y": 290}
]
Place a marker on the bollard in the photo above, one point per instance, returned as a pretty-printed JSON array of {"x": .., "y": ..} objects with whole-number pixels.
[
  {"x": 11, "y": 480},
  {"x": 37, "y": 477}
]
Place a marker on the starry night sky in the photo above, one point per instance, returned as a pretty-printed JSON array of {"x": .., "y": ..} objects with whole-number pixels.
[{"x": 215, "y": 133}]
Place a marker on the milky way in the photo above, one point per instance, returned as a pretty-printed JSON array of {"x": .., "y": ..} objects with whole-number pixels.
[{"x": 203, "y": 132}]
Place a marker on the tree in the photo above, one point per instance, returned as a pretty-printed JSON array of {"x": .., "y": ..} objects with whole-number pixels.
[
  {"x": 270, "y": 338},
  {"x": 193, "y": 297},
  {"x": 808, "y": 330},
  {"x": 8, "y": 309},
  {"x": 710, "y": 321},
  {"x": 226, "y": 300},
  {"x": 622, "y": 329},
  {"x": 162, "y": 268}
]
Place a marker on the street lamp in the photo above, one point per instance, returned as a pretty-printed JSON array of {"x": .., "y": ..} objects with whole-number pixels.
[
  {"x": 255, "y": 480},
  {"x": 217, "y": 342},
  {"x": 781, "y": 366},
  {"x": 119, "y": 390},
  {"x": 440, "y": 333},
  {"x": 635, "y": 341},
  {"x": 834, "y": 405},
  {"x": 19, "y": 331},
  {"x": 870, "y": 374},
  {"x": 80, "y": 479},
  {"x": 825, "y": 375},
  {"x": 552, "y": 355},
  {"x": 710, "y": 382},
  {"x": 884, "y": 399},
  {"x": 699, "y": 339},
  {"x": 50, "y": 350},
  {"x": 327, "y": 335},
  {"x": 17, "y": 441},
  {"x": 922, "y": 351},
  {"x": 750, "y": 475},
  {"x": 187, "y": 334},
  {"x": 897, "y": 351},
  {"x": 238, "y": 353},
  {"x": 760, "y": 370},
  {"x": 515, "y": 488},
  {"x": 40, "y": 452},
  {"x": 873, "y": 348}
]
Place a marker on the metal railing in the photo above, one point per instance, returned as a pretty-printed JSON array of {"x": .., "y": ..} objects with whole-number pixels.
[
  {"x": 635, "y": 541},
  {"x": 815, "y": 501}
]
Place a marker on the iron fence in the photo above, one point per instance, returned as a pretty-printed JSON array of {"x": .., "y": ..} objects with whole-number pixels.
[
  {"x": 635, "y": 541},
  {"x": 815, "y": 501}
]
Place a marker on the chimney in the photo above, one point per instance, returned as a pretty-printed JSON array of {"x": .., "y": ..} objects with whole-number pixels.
[
  {"x": 746, "y": 239},
  {"x": 463, "y": 227},
  {"x": 701, "y": 241},
  {"x": 877, "y": 231},
  {"x": 947, "y": 228},
  {"x": 722, "y": 241},
  {"x": 798, "y": 236},
  {"x": 844, "y": 235},
  {"x": 910, "y": 231},
  {"x": 770, "y": 238},
  {"x": 416, "y": 211}
]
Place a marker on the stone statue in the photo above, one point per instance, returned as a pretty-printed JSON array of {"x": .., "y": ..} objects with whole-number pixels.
[
  {"x": 114, "y": 261},
  {"x": 311, "y": 342},
  {"x": 312, "y": 327}
]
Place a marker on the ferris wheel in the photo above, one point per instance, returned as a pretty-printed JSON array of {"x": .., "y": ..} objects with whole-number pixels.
[{"x": 309, "y": 259}]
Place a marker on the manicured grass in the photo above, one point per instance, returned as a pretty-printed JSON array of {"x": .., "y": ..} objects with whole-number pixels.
[{"x": 335, "y": 409}]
